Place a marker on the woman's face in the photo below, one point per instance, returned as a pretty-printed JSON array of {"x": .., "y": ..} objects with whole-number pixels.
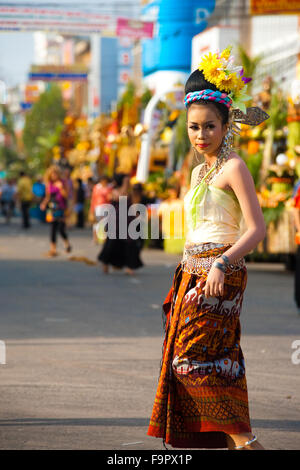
[
  {"x": 205, "y": 129},
  {"x": 54, "y": 176}
]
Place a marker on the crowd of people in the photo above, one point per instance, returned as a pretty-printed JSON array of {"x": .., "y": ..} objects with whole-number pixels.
[{"x": 62, "y": 202}]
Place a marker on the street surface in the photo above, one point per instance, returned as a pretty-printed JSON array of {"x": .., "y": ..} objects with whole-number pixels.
[{"x": 83, "y": 349}]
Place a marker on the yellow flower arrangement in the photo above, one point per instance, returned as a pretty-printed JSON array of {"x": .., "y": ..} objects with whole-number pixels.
[{"x": 220, "y": 70}]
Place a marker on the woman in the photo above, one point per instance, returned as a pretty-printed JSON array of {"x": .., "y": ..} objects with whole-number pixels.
[
  {"x": 79, "y": 203},
  {"x": 135, "y": 245},
  {"x": 119, "y": 250},
  {"x": 100, "y": 195},
  {"x": 55, "y": 202},
  {"x": 201, "y": 400}
]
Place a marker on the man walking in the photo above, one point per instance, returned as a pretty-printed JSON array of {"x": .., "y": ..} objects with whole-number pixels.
[{"x": 24, "y": 191}]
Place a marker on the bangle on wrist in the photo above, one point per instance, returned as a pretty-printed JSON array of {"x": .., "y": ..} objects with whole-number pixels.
[
  {"x": 225, "y": 259},
  {"x": 220, "y": 266}
]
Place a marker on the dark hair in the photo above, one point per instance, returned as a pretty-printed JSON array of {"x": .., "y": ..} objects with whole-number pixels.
[
  {"x": 118, "y": 179},
  {"x": 103, "y": 177},
  {"x": 197, "y": 82},
  {"x": 137, "y": 187}
]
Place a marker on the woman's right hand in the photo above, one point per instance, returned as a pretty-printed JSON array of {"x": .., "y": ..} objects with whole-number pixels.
[{"x": 43, "y": 205}]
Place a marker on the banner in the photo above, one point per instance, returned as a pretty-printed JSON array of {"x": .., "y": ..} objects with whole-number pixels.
[
  {"x": 54, "y": 73},
  {"x": 63, "y": 21},
  {"x": 269, "y": 7},
  {"x": 134, "y": 29}
]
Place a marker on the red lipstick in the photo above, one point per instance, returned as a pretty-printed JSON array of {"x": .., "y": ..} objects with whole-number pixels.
[{"x": 202, "y": 146}]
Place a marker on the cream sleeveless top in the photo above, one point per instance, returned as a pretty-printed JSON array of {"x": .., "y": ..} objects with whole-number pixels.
[{"x": 212, "y": 214}]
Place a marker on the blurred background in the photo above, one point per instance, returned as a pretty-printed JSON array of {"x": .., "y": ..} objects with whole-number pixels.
[{"x": 97, "y": 89}]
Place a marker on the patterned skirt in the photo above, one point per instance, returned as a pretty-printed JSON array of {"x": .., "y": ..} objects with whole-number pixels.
[{"x": 202, "y": 390}]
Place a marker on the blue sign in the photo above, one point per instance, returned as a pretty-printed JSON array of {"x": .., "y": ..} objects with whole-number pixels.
[
  {"x": 50, "y": 77},
  {"x": 25, "y": 106},
  {"x": 177, "y": 23}
]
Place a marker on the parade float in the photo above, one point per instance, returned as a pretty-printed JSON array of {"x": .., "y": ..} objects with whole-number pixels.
[
  {"x": 270, "y": 152},
  {"x": 80, "y": 146}
]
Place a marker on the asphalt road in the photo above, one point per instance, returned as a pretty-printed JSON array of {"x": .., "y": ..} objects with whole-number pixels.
[{"x": 83, "y": 349}]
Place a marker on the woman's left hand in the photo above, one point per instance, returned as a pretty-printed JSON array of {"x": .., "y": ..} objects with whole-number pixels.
[{"x": 214, "y": 285}]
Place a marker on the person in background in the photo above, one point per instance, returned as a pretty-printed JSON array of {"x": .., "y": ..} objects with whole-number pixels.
[
  {"x": 79, "y": 203},
  {"x": 296, "y": 211},
  {"x": 101, "y": 194},
  {"x": 8, "y": 196},
  {"x": 39, "y": 190},
  {"x": 134, "y": 246},
  {"x": 25, "y": 196},
  {"x": 55, "y": 202},
  {"x": 89, "y": 186},
  {"x": 115, "y": 248},
  {"x": 68, "y": 184}
]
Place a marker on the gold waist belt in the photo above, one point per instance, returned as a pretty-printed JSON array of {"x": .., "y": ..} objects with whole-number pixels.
[{"x": 197, "y": 258}]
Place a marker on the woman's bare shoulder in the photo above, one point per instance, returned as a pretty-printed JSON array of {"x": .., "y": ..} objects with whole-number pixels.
[
  {"x": 233, "y": 158},
  {"x": 237, "y": 171},
  {"x": 235, "y": 163}
]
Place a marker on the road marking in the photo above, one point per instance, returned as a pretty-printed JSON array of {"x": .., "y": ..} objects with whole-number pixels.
[
  {"x": 135, "y": 281},
  {"x": 132, "y": 443},
  {"x": 155, "y": 306}
]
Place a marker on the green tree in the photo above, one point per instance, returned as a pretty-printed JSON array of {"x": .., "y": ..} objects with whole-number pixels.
[
  {"x": 43, "y": 124},
  {"x": 277, "y": 121},
  {"x": 146, "y": 97},
  {"x": 128, "y": 96},
  {"x": 8, "y": 149}
]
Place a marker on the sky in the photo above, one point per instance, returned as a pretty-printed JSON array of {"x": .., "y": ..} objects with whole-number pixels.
[
  {"x": 17, "y": 48},
  {"x": 16, "y": 56}
]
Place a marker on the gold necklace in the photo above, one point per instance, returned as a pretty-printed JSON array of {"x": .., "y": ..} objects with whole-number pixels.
[
  {"x": 204, "y": 170},
  {"x": 209, "y": 167}
]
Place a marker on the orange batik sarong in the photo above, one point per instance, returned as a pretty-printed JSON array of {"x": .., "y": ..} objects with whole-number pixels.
[{"x": 202, "y": 391}]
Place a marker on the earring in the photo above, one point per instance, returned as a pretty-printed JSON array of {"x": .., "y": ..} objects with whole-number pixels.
[
  {"x": 227, "y": 146},
  {"x": 196, "y": 154}
]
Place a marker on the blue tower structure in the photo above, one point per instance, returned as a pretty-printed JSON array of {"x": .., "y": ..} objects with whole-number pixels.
[{"x": 178, "y": 21}]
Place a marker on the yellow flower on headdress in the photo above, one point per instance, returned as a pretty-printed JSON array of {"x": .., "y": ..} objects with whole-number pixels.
[
  {"x": 210, "y": 66},
  {"x": 219, "y": 69},
  {"x": 226, "y": 53},
  {"x": 229, "y": 83}
]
